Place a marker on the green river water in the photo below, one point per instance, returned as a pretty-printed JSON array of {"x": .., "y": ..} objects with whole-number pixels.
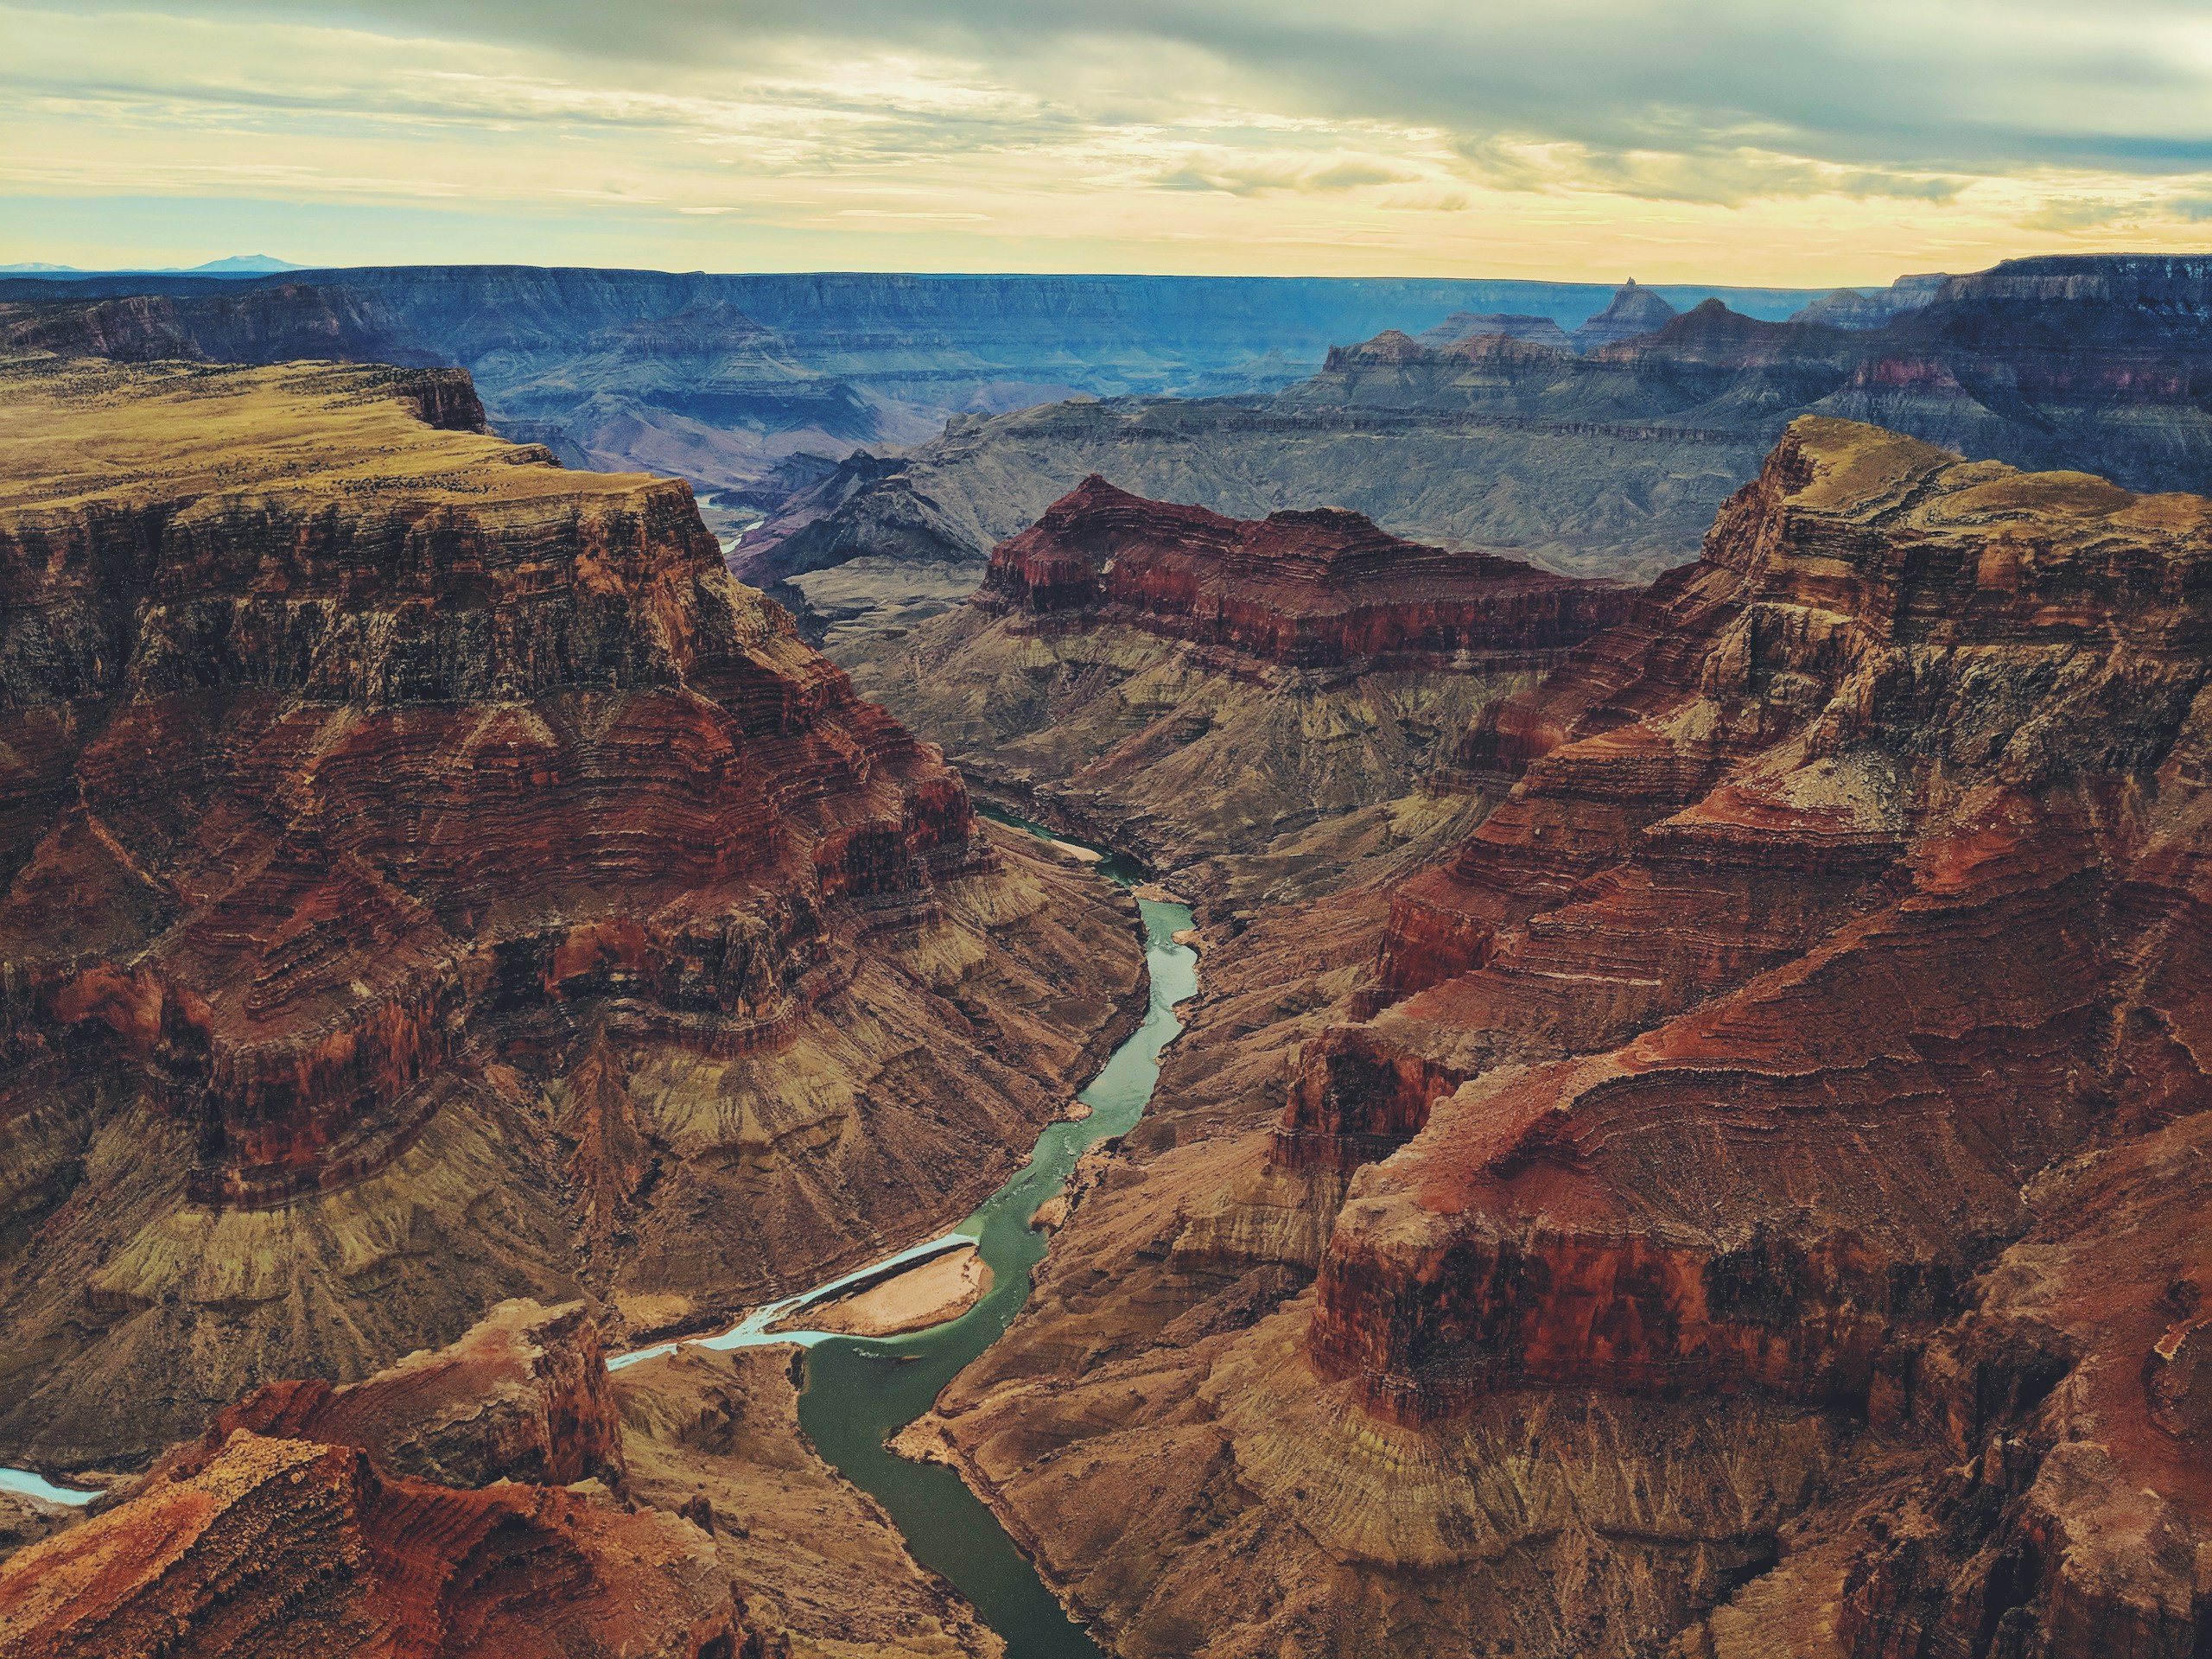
[{"x": 859, "y": 1392}]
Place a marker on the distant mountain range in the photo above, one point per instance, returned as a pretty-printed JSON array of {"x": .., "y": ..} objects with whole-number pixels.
[
  {"x": 913, "y": 421},
  {"x": 238, "y": 264}
]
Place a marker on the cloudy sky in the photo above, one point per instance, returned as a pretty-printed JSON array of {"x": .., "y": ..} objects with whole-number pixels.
[{"x": 1825, "y": 141}]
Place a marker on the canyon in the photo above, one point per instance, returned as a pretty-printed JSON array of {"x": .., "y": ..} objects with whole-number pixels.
[
  {"x": 1694, "y": 1142},
  {"x": 751, "y": 384},
  {"x": 431, "y": 879},
  {"x": 1604, "y": 454},
  {"x": 1747, "y": 1197},
  {"x": 1242, "y": 704}
]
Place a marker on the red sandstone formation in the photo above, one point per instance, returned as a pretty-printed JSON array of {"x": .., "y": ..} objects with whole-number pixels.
[
  {"x": 421, "y": 746},
  {"x": 1193, "y": 687},
  {"x": 282, "y": 1547},
  {"x": 1317, "y": 589},
  {"x": 1764, "y": 1218},
  {"x": 2070, "y": 1499},
  {"x": 1850, "y": 883},
  {"x": 525, "y": 1396},
  {"x": 286, "y": 1530},
  {"x": 425, "y": 872}
]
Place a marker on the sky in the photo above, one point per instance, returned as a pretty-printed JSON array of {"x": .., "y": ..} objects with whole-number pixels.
[{"x": 1708, "y": 141}]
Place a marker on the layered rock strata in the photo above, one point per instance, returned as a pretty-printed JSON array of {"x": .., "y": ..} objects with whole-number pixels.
[
  {"x": 728, "y": 379},
  {"x": 523, "y": 1396},
  {"x": 430, "y": 879},
  {"x": 503, "y": 1497},
  {"x": 1193, "y": 686},
  {"x": 1319, "y": 589},
  {"x": 1756, "y": 1209},
  {"x": 1609, "y": 460},
  {"x": 285, "y": 1547},
  {"x": 293, "y": 1526}
]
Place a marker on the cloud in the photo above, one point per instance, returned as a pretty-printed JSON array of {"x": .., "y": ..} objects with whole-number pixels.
[
  {"x": 1252, "y": 175},
  {"x": 986, "y": 132}
]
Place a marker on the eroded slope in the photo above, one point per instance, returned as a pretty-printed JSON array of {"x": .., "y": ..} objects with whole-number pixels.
[
  {"x": 1271, "y": 696},
  {"x": 1675, "y": 1208},
  {"x": 432, "y": 879}
]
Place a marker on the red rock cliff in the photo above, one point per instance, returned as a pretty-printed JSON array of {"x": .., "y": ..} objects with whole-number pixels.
[
  {"x": 426, "y": 878},
  {"x": 524, "y": 1396},
  {"x": 1854, "y": 879},
  {"x": 1319, "y": 588},
  {"x": 288, "y": 1529},
  {"x": 320, "y": 770}
]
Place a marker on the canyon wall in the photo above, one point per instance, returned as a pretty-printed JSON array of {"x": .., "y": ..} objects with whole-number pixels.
[
  {"x": 728, "y": 379},
  {"x": 1748, "y": 1201},
  {"x": 1274, "y": 695},
  {"x": 1604, "y": 454},
  {"x": 431, "y": 879}
]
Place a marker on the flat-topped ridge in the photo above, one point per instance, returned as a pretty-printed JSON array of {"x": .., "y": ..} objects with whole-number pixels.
[{"x": 1305, "y": 586}]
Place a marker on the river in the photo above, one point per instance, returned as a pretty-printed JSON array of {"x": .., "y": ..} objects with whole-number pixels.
[{"x": 861, "y": 1391}]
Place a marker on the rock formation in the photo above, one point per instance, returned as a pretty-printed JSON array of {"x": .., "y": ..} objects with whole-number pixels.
[
  {"x": 285, "y": 1547},
  {"x": 1609, "y": 463},
  {"x": 1322, "y": 588},
  {"x": 431, "y": 879},
  {"x": 1825, "y": 842},
  {"x": 481, "y": 1500},
  {"x": 1755, "y": 1202},
  {"x": 1634, "y": 311},
  {"x": 523, "y": 1396},
  {"x": 721, "y": 379},
  {"x": 1187, "y": 684},
  {"x": 1469, "y": 325},
  {"x": 1851, "y": 307}
]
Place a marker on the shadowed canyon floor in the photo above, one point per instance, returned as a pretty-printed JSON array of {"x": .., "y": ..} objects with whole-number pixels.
[
  {"x": 1749, "y": 1197},
  {"x": 431, "y": 879}
]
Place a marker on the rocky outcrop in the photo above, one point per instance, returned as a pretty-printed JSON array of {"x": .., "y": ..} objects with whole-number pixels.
[
  {"x": 1634, "y": 311},
  {"x": 1852, "y": 307},
  {"x": 282, "y": 1546},
  {"x": 421, "y": 1511},
  {"x": 1195, "y": 687},
  {"x": 1825, "y": 856},
  {"x": 2073, "y": 1509},
  {"x": 431, "y": 879},
  {"x": 454, "y": 1504},
  {"x": 1321, "y": 589},
  {"x": 1463, "y": 326},
  {"x": 1757, "y": 1210},
  {"x": 2043, "y": 1495},
  {"x": 504, "y": 1496},
  {"x": 524, "y": 1396}
]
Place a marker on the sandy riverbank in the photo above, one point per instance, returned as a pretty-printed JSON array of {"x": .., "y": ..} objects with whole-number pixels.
[{"x": 942, "y": 1287}]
